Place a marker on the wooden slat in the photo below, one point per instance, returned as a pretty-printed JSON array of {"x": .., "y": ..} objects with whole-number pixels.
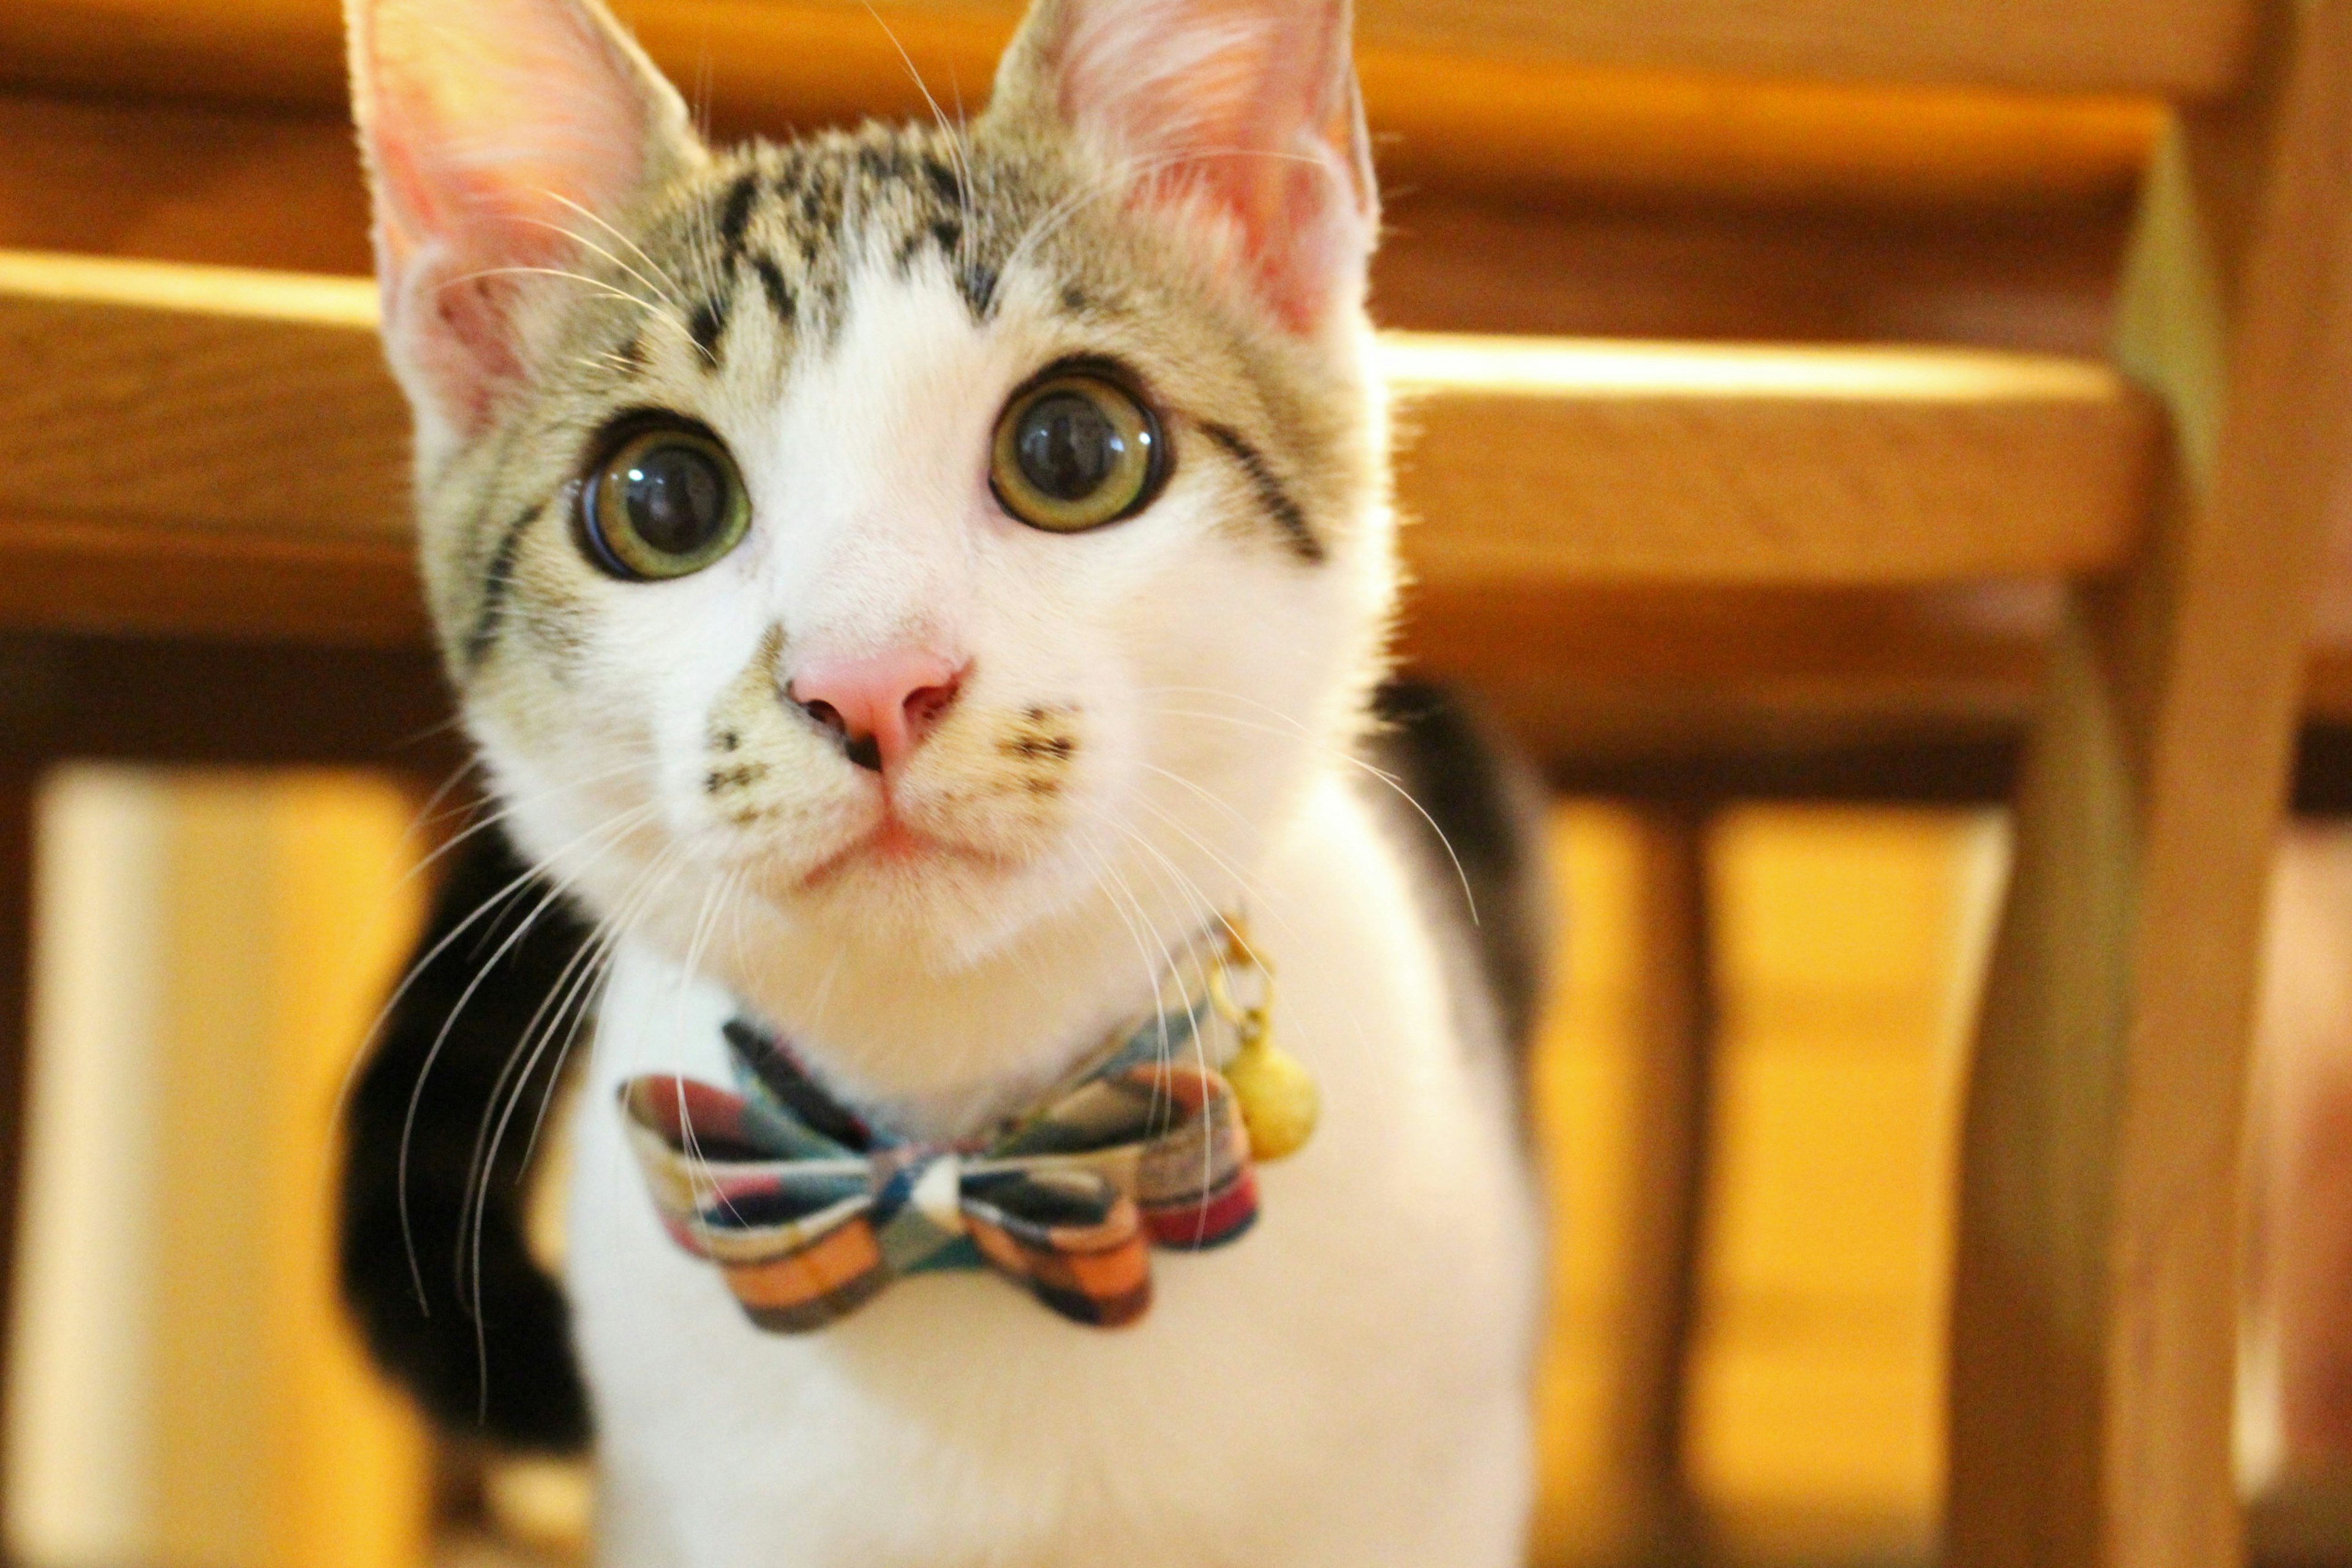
[
  {"x": 1622, "y": 462},
  {"x": 1629, "y": 684},
  {"x": 197, "y": 397},
  {"x": 2040, "y": 279},
  {"x": 106, "y": 578},
  {"x": 1515, "y": 98},
  {"x": 203, "y": 413},
  {"x": 2191, "y": 47},
  {"x": 1648, "y": 246},
  {"x": 2095, "y": 1314},
  {"x": 1531, "y": 131},
  {"x": 286, "y": 48},
  {"x": 175, "y": 182}
]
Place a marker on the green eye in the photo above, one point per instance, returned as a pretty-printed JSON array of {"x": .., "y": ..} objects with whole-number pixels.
[
  {"x": 1075, "y": 450},
  {"x": 667, "y": 501}
]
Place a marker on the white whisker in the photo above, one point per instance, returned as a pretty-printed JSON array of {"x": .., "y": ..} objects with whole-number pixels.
[
  {"x": 603, "y": 288},
  {"x": 677, "y": 290},
  {"x": 582, "y": 240}
]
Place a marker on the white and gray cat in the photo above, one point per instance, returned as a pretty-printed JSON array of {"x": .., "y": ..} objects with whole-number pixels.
[{"x": 905, "y": 586}]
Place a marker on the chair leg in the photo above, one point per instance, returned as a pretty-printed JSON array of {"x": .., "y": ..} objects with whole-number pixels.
[
  {"x": 1672, "y": 1094},
  {"x": 2094, "y": 1311},
  {"x": 16, "y": 1028}
]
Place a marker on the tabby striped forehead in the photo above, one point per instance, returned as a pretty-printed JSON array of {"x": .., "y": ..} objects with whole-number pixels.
[{"x": 786, "y": 227}]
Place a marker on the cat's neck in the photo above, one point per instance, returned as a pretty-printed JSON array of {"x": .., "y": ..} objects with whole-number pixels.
[{"x": 942, "y": 1052}]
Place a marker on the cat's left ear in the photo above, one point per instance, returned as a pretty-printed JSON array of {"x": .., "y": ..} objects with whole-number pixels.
[
  {"x": 500, "y": 136},
  {"x": 1243, "y": 112}
]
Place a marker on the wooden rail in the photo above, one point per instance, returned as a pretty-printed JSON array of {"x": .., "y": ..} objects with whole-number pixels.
[
  {"x": 1564, "y": 463},
  {"x": 1510, "y": 100},
  {"x": 290, "y": 50},
  {"x": 204, "y": 449},
  {"x": 1582, "y": 204},
  {"x": 2174, "y": 47}
]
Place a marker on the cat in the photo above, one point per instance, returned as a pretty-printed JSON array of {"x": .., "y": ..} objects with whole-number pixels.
[{"x": 916, "y": 591}]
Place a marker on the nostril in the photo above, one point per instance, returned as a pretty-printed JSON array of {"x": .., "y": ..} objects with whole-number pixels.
[
  {"x": 862, "y": 747},
  {"x": 826, "y": 714},
  {"x": 926, "y": 706}
]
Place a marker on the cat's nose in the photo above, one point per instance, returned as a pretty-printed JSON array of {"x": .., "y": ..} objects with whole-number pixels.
[{"x": 881, "y": 705}]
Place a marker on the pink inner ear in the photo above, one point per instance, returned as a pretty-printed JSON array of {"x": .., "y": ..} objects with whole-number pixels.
[
  {"x": 490, "y": 124},
  {"x": 449, "y": 287},
  {"x": 1250, "y": 103}
]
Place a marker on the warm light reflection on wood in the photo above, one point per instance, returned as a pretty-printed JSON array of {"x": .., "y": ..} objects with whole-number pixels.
[
  {"x": 315, "y": 299},
  {"x": 1435, "y": 365}
]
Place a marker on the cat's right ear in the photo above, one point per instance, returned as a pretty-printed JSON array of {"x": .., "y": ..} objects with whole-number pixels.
[
  {"x": 499, "y": 135},
  {"x": 1239, "y": 115}
]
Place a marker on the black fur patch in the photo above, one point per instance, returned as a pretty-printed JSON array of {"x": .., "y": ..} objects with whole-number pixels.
[
  {"x": 1276, "y": 500},
  {"x": 1438, "y": 754},
  {"x": 441, "y": 1073},
  {"x": 944, "y": 184},
  {"x": 497, "y": 587},
  {"x": 708, "y": 326},
  {"x": 778, "y": 292},
  {"x": 735, "y": 215},
  {"x": 977, "y": 283}
]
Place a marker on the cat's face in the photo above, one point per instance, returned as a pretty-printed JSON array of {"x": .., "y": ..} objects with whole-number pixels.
[{"x": 914, "y": 538}]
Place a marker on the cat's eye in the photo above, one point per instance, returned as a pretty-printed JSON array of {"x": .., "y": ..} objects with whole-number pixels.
[
  {"x": 1074, "y": 450},
  {"x": 665, "y": 501}
]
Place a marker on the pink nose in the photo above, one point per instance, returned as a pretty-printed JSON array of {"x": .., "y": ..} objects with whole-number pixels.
[{"x": 881, "y": 706}]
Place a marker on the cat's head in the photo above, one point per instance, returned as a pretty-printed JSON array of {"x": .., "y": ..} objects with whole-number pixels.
[{"x": 905, "y": 544}]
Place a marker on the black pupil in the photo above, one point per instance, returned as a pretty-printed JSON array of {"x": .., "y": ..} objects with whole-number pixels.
[
  {"x": 677, "y": 498},
  {"x": 1068, "y": 448}
]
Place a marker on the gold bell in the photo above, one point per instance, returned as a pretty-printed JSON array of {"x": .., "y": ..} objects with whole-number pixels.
[
  {"x": 1276, "y": 1094},
  {"x": 1278, "y": 1099}
]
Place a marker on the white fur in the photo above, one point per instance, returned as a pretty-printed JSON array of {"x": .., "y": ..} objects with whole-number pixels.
[{"x": 1346, "y": 1385}]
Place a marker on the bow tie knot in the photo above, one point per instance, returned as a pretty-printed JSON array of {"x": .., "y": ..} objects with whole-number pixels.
[{"x": 933, "y": 1183}]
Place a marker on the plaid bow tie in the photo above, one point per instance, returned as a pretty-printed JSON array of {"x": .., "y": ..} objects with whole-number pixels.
[{"x": 809, "y": 1212}]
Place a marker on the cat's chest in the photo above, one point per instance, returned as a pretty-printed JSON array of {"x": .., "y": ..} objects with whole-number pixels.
[{"x": 1386, "y": 1293}]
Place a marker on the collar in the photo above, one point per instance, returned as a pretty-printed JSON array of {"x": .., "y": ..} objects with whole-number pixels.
[{"x": 810, "y": 1208}]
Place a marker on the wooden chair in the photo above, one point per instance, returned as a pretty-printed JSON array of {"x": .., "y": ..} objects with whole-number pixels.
[{"x": 1805, "y": 549}]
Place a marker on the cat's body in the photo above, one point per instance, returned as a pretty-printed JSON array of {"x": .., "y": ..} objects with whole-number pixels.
[
  {"x": 907, "y": 588},
  {"x": 1346, "y": 1385}
]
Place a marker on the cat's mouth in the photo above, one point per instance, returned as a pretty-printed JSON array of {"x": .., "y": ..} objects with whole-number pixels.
[{"x": 892, "y": 845}]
